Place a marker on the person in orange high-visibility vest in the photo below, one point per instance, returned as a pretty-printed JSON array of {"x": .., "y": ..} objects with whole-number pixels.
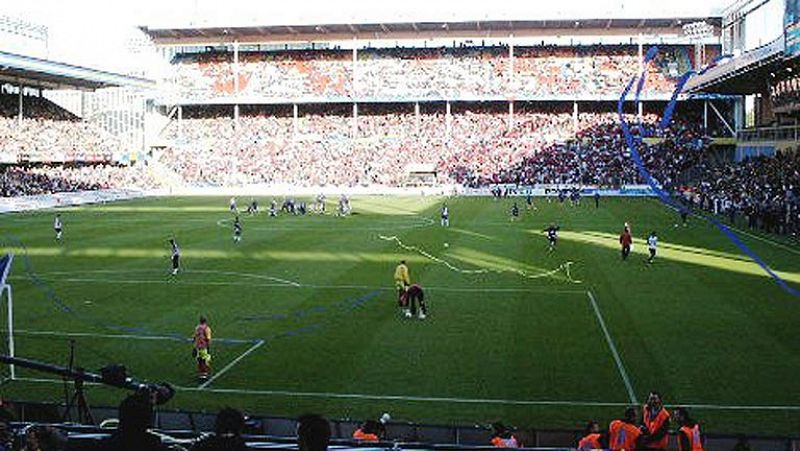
[
  {"x": 689, "y": 437},
  {"x": 503, "y": 438},
  {"x": 656, "y": 419},
  {"x": 624, "y": 434},
  {"x": 592, "y": 438},
  {"x": 370, "y": 431}
]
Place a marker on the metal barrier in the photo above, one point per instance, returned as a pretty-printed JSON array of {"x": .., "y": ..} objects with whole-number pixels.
[
  {"x": 186, "y": 425},
  {"x": 770, "y": 134}
]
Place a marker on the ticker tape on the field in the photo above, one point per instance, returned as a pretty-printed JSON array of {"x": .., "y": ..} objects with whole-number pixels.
[
  {"x": 565, "y": 267},
  {"x": 663, "y": 195}
]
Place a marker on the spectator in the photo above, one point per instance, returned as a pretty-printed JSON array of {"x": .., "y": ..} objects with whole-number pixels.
[
  {"x": 313, "y": 433},
  {"x": 592, "y": 438},
  {"x": 135, "y": 417},
  {"x": 689, "y": 436},
  {"x": 227, "y": 433},
  {"x": 6, "y": 434},
  {"x": 44, "y": 438},
  {"x": 370, "y": 431},
  {"x": 502, "y": 437}
]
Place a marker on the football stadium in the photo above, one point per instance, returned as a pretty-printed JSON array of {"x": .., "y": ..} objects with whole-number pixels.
[{"x": 414, "y": 226}]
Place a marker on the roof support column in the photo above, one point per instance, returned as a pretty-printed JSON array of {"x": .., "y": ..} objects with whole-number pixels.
[
  {"x": 355, "y": 121},
  {"x": 641, "y": 71},
  {"x": 236, "y": 84},
  {"x": 510, "y": 115},
  {"x": 416, "y": 118},
  {"x": 705, "y": 117},
  {"x": 509, "y": 87},
  {"x": 447, "y": 120},
  {"x": 19, "y": 105},
  {"x": 236, "y": 68},
  {"x": 353, "y": 76},
  {"x": 180, "y": 122},
  {"x": 575, "y": 117},
  {"x": 295, "y": 121}
]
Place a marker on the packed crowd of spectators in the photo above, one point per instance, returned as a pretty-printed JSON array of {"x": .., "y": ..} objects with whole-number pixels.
[
  {"x": 48, "y": 132},
  {"x": 25, "y": 180},
  {"x": 599, "y": 155},
  {"x": 764, "y": 192},
  {"x": 478, "y": 144},
  {"x": 785, "y": 93},
  {"x": 426, "y": 73}
]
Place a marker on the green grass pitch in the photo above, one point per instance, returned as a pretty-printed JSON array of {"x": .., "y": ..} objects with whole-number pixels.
[{"x": 305, "y": 317}]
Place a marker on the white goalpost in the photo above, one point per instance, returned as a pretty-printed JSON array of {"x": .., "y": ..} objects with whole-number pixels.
[{"x": 6, "y": 288}]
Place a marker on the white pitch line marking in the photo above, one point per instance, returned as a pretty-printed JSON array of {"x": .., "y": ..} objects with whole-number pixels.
[
  {"x": 620, "y": 367},
  {"x": 766, "y": 240},
  {"x": 234, "y": 391},
  {"x": 232, "y": 364},
  {"x": 295, "y": 285},
  {"x": 52, "y": 333}
]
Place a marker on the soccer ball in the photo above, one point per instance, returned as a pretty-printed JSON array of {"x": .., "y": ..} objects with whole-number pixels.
[{"x": 446, "y": 245}]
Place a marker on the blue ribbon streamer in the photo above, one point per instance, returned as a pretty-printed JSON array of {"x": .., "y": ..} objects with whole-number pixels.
[
  {"x": 50, "y": 294},
  {"x": 664, "y": 196}
]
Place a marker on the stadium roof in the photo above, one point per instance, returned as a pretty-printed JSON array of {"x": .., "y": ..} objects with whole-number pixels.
[
  {"x": 742, "y": 75},
  {"x": 405, "y": 30},
  {"x": 46, "y": 74},
  {"x": 247, "y": 13}
]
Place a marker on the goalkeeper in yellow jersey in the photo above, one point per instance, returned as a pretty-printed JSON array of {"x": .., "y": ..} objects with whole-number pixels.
[{"x": 401, "y": 282}]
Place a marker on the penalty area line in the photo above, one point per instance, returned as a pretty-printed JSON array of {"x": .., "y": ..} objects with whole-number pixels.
[
  {"x": 234, "y": 391},
  {"x": 50, "y": 333},
  {"x": 227, "y": 368},
  {"x": 614, "y": 353},
  {"x": 177, "y": 282}
]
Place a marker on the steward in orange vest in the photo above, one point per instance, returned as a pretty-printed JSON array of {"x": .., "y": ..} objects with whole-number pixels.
[
  {"x": 503, "y": 438},
  {"x": 656, "y": 419},
  {"x": 689, "y": 437},
  {"x": 370, "y": 431},
  {"x": 592, "y": 438},
  {"x": 624, "y": 434}
]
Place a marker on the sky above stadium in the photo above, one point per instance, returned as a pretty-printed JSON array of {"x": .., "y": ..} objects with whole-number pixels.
[{"x": 97, "y": 32}]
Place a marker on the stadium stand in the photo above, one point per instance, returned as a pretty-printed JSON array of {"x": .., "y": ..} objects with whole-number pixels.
[
  {"x": 50, "y": 133},
  {"x": 401, "y": 74},
  {"x": 51, "y": 150}
]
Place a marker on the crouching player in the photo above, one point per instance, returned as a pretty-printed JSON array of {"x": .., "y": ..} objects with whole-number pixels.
[
  {"x": 401, "y": 281},
  {"x": 415, "y": 297}
]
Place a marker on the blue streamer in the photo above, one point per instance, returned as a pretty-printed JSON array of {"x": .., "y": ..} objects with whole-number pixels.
[
  {"x": 52, "y": 296},
  {"x": 346, "y": 304},
  {"x": 664, "y": 196}
]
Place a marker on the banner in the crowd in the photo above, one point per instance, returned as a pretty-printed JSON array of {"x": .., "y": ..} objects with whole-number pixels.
[{"x": 791, "y": 26}]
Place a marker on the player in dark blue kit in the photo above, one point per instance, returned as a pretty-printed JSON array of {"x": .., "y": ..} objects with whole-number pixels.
[
  {"x": 514, "y": 212},
  {"x": 529, "y": 201},
  {"x": 237, "y": 230},
  {"x": 552, "y": 236},
  {"x": 252, "y": 209}
]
